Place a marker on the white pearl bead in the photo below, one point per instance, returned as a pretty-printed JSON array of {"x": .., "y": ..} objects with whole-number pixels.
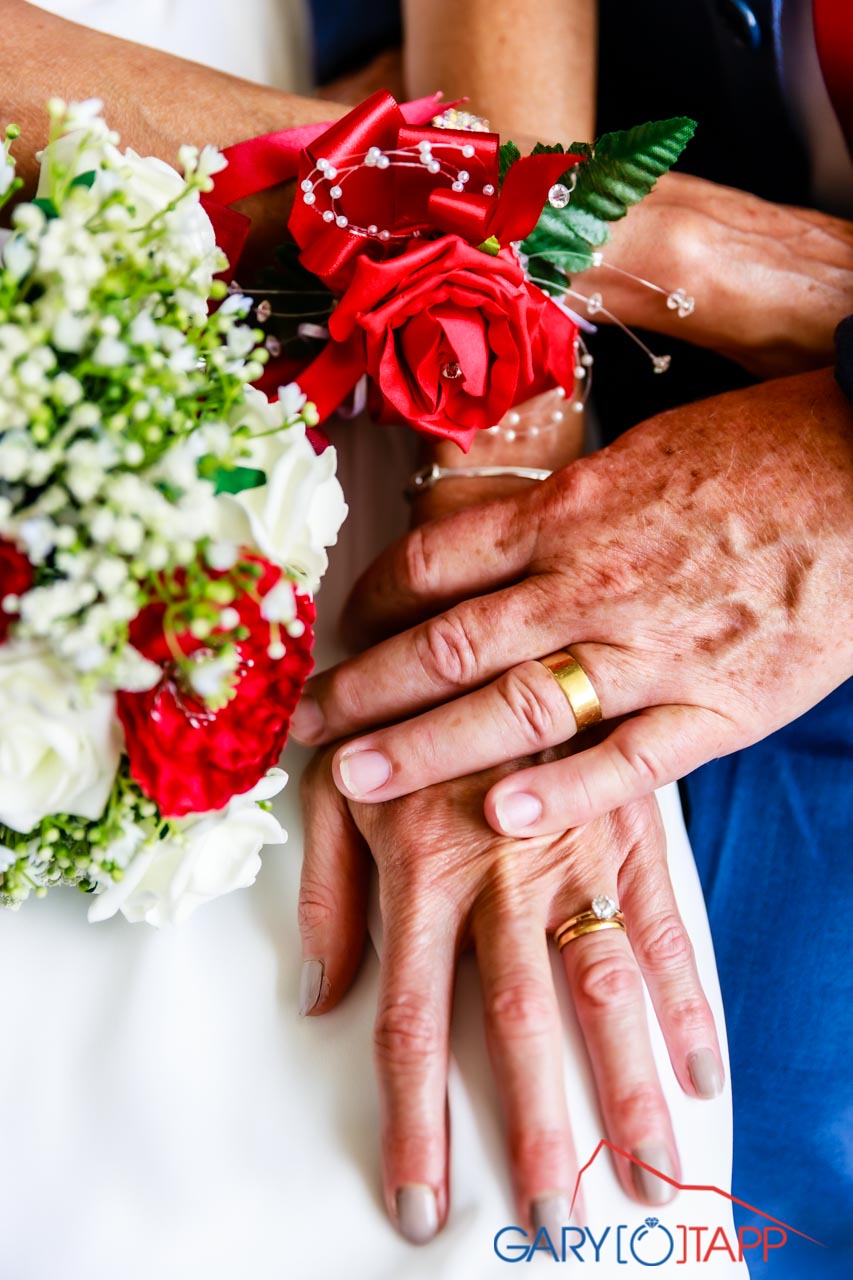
[
  {"x": 434, "y": 166},
  {"x": 384, "y": 235},
  {"x": 509, "y": 435},
  {"x": 467, "y": 151},
  {"x": 372, "y": 230},
  {"x": 328, "y": 216},
  {"x": 342, "y": 221},
  {"x": 322, "y": 165},
  {"x": 309, "y": 197},
  {"x": 463, "y": 175},
  {"x": 513, "y": 418},
  {"x": 331, "y": 171},
  {"x": 424, "y": 145},
  {"x": 557, "y": 415},
  {"x": 306, "y": 185},
  {"x": 335, "y": 193},
  {"x": 488, "y": 189},
  {"x": 578, "y": 406},
  {"x": 457, "y": 186},
  {"x": 383, "y": 162}
]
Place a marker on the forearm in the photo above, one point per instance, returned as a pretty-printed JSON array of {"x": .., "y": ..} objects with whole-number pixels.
[
  {"x": 155, "y": 100},
  {"x": 529, "y": 69}
]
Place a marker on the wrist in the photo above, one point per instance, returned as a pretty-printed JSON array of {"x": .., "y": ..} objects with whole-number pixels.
[{"x": 544, "y": 433}]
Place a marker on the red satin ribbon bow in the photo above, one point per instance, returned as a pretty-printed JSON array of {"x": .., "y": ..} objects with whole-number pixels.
[{"x": 406, "y": 199}]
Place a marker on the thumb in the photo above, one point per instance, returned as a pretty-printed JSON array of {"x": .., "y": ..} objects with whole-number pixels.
[{"x": 644, "y": 752}]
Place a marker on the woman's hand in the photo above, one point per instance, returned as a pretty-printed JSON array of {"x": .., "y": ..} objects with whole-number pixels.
[
  {"x": 699, "y": 568},
  {"x": 771, "y": 282},
  {"x": 447, "y": 882}
]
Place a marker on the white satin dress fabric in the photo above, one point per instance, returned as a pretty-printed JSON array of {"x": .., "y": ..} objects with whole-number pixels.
[{"x": 168, "y": 1116}]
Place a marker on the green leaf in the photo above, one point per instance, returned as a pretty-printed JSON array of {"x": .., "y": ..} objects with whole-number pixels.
[
  {"x": 584, "y": 149},
  {"x": 492, "y": 246},
  {"x": 84, "y": 179},
  {"x": 507, "y": 156},
  {"x": 236, "y": 479},
  {"x": 549, "y": 277},
  {"x": 626, "y": 165},
  {"x": 544, "y": 149},
  {"x": 47, "y": 206}
]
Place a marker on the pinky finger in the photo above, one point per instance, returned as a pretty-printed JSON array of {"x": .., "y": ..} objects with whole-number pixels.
[{"x": 665, "y": 955}]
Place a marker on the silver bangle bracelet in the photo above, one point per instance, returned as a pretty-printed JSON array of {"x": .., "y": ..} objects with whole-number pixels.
[{"x": 424, "y": 479}]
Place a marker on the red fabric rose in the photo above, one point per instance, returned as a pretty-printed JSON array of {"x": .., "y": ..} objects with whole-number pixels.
[
  {"x": 16, "y": 577},
  {"x": 444, "y": 308},
  {"x": 188, "y": 761}
]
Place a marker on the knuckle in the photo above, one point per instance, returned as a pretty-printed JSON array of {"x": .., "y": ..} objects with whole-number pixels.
[
  {"x": 406, "y": 1033},
  {"x": 639, "y": 1107},
  {"x": 530, "y": 710},
  {"x": 520, "y": 1009},
  {"x": 343, "y": 697},
  {"x": 315, "y": 912},
  {"x": 635, "y": 762},
  {"x": 419, "y": 566},
  {"x": 608, "y": 981},
  {"x": 535, "y": 1150},
  {"x": 663, "y": 943},
  {"x": 690, "y": 1013},
  {"x": 446, "y": 651}
]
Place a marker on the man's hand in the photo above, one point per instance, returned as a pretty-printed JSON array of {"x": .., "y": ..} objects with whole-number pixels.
[
  {"x": 771, "y": 282},
  {"x": 699, "y": 568},
  {"x": 447, "y": 882}
]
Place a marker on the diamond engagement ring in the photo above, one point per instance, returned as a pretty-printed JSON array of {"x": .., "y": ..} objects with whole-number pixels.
[{"x": 604, "y": 913}]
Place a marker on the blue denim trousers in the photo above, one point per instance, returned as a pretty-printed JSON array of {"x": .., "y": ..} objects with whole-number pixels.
[{"x": 772, "y": 830}]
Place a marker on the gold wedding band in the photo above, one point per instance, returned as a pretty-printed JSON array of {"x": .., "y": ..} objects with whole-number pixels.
[
  {"x": 577, "y": 687},
  {"x": 603, "y": 914}
]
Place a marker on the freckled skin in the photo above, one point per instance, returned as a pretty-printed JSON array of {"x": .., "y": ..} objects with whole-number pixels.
[{"x": 699, "y": 568}]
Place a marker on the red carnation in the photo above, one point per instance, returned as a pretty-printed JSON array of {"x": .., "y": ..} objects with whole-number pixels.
[
  {"x": 184, "y": 758},
  {"x": 16, "y": 577}
]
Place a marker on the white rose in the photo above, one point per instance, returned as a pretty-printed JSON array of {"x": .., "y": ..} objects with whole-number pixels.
[
  {"x": 296, "y": 515},
  {"x": 150, "y": 183},
  {"x": 213, "y": 854},
  {"x": 59, "y": 744}
]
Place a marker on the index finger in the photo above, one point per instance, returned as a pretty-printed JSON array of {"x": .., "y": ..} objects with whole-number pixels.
[
  {"x": 437, "y": 565},
  {"x": 446, "y": 656}
]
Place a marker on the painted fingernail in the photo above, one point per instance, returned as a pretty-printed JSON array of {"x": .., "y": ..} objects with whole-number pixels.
[
  {"x": 308, "y": 722},
  {"x": 417, "y": 1213},
  {"x": 650, "y": 1188},
  {"x": 518, "y": 810},
  {"x": 310, "y": 985},
  {"x": 550, "y": 1212},
  {"x": 364, "y": 771},
  {"x": 705, "y": 1073}
]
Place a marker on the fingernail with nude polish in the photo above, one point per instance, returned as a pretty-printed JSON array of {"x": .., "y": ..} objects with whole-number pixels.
[
  {"x": 417, "y": 1213},
  {"x": 650, "y": 1188},
  {"x": 310, "y": 985},
  {"x": 308, "y": 722},
  {"x": 550, "y": 1212},
  {"x": 518, "y": 810},
  {"x": 364, "y": 771},
  {"x": 705, "y": 1073}
]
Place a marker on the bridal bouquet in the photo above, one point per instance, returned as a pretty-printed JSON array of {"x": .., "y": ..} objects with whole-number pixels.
[{"x": 163, "y": 526}]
